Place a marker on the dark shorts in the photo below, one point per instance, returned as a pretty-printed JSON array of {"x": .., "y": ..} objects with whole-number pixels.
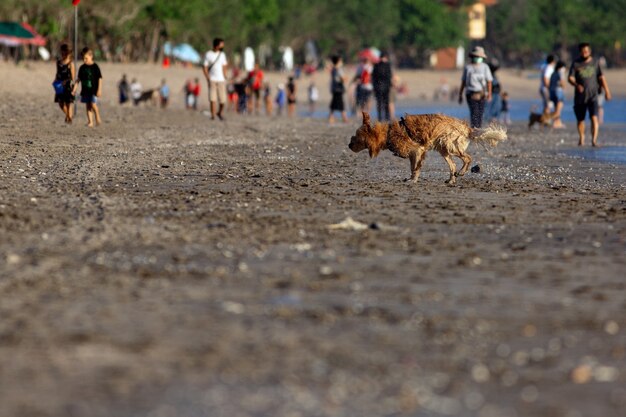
[
  {"x": 580, "y": 109},
  {"x": 557, "y": 96},
  {"x": 362, "y": 96},
  {"x": 336, "y": 104},
  {"x": 64, "y": 98},
  {"x": 89, "y": 99}
]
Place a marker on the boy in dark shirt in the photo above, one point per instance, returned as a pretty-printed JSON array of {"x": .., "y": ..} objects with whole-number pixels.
[
  {"x": 586, "y": 75},
  {"x": 90, "y": 78}
]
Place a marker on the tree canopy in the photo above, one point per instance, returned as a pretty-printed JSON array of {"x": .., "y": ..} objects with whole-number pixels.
[{"x": 519, "y": 31}]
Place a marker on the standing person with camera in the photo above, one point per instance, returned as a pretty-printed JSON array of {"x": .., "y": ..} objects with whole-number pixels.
[
  {"x": 477, "y": 79},
  {"x": 214, "y": 68}
]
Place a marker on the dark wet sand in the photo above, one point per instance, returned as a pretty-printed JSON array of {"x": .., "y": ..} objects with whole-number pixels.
[{"x": 165, "y": 265}]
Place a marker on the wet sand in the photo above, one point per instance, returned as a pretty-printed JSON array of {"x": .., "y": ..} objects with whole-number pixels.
[{"x": 166, "y": 265}]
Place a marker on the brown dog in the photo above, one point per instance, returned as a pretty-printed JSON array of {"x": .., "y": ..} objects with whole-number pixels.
[{"x": 413, "y": 136}]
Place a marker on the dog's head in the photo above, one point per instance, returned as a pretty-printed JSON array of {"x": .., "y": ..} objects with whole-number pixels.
[{"x": 364, "y": 138}]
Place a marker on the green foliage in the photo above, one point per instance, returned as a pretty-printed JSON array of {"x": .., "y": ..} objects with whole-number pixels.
[
  {"x": 527, "y": 30},
  {"x": 518, "y": 30}
]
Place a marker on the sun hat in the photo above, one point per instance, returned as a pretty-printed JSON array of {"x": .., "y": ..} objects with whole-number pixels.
[{"x": 478, "y": 51}]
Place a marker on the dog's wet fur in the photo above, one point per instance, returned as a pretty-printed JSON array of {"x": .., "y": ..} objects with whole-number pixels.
[{"x": 416, "y": 134}]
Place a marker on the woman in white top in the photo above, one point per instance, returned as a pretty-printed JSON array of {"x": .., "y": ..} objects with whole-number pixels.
[{"x": 477, "y": 80}]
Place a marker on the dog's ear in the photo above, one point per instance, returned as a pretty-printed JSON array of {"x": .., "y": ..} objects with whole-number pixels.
[{"x": 366, "y": 118}]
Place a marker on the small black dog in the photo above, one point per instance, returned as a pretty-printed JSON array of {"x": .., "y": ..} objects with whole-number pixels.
[
  {"x": 148, "y": 96},
  {"x": 542, "y": 119}
]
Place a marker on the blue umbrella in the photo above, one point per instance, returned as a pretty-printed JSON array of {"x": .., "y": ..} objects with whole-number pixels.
[{"x": 185, "y": 52}]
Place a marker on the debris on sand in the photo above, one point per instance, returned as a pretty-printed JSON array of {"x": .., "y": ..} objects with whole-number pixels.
[
  {"x": 383, "y": 227},
  {"x": 348, "y": 224}
]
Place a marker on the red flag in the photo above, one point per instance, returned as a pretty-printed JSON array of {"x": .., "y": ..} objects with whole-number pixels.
[{"x": 75, "y": 2}]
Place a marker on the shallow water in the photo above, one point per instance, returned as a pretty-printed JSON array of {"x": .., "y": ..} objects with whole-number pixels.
[
  {"x": 609, "y": 154},
  {"x": 614, "y": 110}
]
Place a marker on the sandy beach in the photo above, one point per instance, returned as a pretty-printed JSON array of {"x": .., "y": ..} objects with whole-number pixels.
[{"x": 166, "y": 265}]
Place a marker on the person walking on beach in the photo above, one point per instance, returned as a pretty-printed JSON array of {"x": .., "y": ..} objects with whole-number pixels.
[
  {"x": 291, "y": 97},
  {"x": 505, "y": 117},
  {"x": 544, "y": 84},
  {"x": 65, "y": 74},
  {"x": 313, "y": 96},
  {"x": 557, "y": 95},
  {"x": 337, "y": 89},
  {"x": 135, "y": 91},
  {"x": 267, "y": 98},
  {"x": 90, "y": 79},
  {"x": 364, "y": 87},
  {"x": 477, "y": 81},
  {"x": 255, "y": 83},
  {"x": 381, "y": 79},
  {"x": 281, "y": 99},
  {"x": 195, "y": 91},
  {"x": 214, "y": 68},
  {"x": 492, "y": 111},
  {"x": 164, "y": 94},
  {"x": 586, "y": 76},
  {"x": 123, "y": 90}
]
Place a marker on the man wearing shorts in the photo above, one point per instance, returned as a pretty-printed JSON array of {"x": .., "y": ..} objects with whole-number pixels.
[
  {"x": 586, "y": 75},
  {"x": 214, "y": 68}
]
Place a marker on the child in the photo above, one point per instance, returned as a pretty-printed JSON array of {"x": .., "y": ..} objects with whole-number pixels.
[
  {"x": 196, "y": 93},
  {"x": 281, "y": 99},
  {"x": 135, "y": 91},
  {"x": 314, "y": 96},
  {"x": 504, "y": 112},
  {"x": 267, "y": 96},
  {"x": 164, "y": 93},
  {"x": 123, "y": 89},
  {"x": 90, "y": 78},
  {"x": 291, "y": 96},
  {"x": 66, "y": 72},
  {"x": 241, "y": 90}
]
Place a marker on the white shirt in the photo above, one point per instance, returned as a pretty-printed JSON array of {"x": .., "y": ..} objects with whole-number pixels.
[
  {"x": 217, "y": 60},
  {"x": 546, "y": 73},
  {"x": 136, "y": 90}
]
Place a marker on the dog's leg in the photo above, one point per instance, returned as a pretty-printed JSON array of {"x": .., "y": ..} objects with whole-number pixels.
[
  {"x": 417, "y": 159},
  {"x": 421, "y": 155},
  {"x": 413, "y": 160},
  {"x": 452, "y": 166},
  {"x": 467, "y": 160}
]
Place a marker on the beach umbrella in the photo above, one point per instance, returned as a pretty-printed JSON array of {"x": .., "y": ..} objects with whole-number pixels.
[
  {"x": 37, "y": 39},
  {"x": 185, "y": 52},
  {"x": 14, "y": 34}
]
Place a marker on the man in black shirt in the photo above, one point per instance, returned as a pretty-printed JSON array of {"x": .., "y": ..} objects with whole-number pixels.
[
  {"x": 381, "y": 78},
  {"x": 586, "y": 75}
]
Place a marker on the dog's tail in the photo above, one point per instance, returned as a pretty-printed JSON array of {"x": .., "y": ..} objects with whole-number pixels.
[{"x": 489, "y": 136}]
